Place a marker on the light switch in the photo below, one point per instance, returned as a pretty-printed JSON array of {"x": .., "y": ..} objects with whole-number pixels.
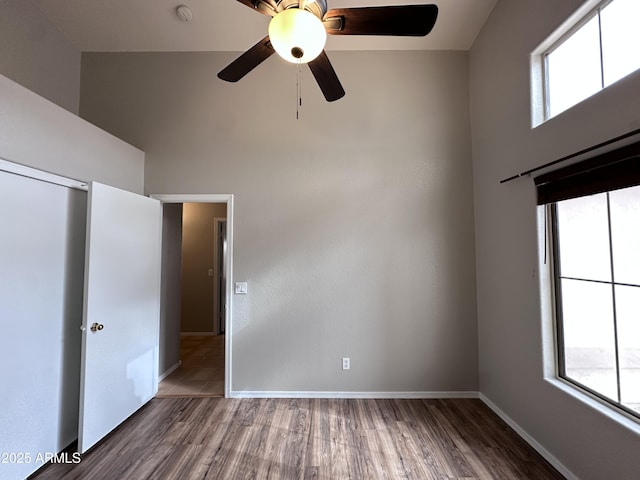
[
  {"x": 211, "y": 272},
  {"x": 241, "y": 288}
]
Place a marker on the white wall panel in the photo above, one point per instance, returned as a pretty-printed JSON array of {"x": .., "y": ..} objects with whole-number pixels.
[{"x": 39, "y": 134}]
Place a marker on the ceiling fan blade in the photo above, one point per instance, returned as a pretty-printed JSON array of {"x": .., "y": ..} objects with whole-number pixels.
[
  {"x": 248, "y": 3},
  {"x": 326, "y": 77},
  {"x": 398, "y": 20},
  {"x": 267, "y": 7},
  {"x": 247, "y": 61}
]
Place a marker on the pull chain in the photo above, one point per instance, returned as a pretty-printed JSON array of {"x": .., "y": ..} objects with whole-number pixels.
[
  {"x": 298, "y": 90},
  {"x": 301, "y": 6}
]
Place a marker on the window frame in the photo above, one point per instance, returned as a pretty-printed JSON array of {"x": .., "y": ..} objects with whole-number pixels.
[
  {"x": 614, "y": 168},
  {"x": 539, "y": 61},
  {"x": 553, "y": 239},
  {"x": 593, "y": 12}
]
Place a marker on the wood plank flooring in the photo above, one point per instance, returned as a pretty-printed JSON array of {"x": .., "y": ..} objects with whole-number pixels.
[
  {"x": 304, "y": 439},
  {"x": 201, "y": 372}
]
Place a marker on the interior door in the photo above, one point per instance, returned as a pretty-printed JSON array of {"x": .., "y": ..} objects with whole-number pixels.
[{"x": 119, "y": 371}]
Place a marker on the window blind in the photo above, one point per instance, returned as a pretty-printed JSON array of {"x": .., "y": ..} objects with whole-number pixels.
[{"x": 608, "y": 171}]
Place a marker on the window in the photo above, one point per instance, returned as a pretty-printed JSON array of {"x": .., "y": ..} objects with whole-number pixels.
[
  {"x": 596, "y": 51},
  {"x": 594, "y": 208}
]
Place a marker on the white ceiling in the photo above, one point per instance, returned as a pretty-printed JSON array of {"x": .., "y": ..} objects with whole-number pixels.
[{"x": 227, "y": 25}]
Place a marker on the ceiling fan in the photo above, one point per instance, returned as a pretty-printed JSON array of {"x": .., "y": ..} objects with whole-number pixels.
[{"x": 299, "y": 28}]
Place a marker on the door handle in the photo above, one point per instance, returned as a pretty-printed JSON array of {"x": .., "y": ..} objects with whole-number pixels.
[{"x": 96, "y": 327}]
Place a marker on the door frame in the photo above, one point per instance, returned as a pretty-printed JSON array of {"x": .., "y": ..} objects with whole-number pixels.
[{"x": 228, "y": 200}]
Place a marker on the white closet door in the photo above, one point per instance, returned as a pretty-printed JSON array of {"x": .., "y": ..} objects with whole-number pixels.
[
  {"x": 41, "y": 274},
  {"x": 119, "y": 372}
]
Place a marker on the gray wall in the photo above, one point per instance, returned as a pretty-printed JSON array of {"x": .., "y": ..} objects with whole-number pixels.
[
  {"x": 170, "y": 286},
  {"x": 199, "y": 252},
  {"x": 36, "y": 55},
  {"x": 39, "y": 134},
  {"x": 353, "y": 225},
  {"x": 39, "y": 66},
  {"x": 512, "y": 336}
]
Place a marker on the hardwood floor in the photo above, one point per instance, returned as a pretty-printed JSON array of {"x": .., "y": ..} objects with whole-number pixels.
[
  {"x": 229, "y": 439},
  {"x": 201, "y": 372}
]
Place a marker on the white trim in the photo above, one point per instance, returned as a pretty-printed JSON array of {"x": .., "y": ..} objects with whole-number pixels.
[
  {"x": 538, "y": 75},
  {"x": 17, "y": 169},
  {"x": 216, "y": 198},
  {"x": 576, "y": 20},
  {"x": 194, "y": 198},
  {"x": 197, "y": 334},
  {"x": 529, "y": 439},
  {"x": 324, "y": 394},
  {"x": 169, "y": 371}
]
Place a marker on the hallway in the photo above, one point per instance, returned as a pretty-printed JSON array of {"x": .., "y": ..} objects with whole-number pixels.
[{"x": 201, "y": 373}]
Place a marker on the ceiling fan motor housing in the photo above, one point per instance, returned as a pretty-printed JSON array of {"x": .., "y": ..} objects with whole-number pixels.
[
  {"x": 272, "y": 7},
  {"x": 297, "y": 35}
]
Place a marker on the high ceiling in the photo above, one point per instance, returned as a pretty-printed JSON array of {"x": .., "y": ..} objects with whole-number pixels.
[{"x": 227, "y": 25}]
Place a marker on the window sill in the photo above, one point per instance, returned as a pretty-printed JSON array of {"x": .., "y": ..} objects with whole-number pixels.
[{"x": 621, "y": 418}]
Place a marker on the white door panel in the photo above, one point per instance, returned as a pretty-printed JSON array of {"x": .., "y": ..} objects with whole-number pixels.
[
  {"x": 40, "y": 314},
  {"x": 122, "y": 295}
]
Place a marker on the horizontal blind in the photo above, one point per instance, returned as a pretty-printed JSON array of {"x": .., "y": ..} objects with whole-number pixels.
[{"x": 612, "y": 170}]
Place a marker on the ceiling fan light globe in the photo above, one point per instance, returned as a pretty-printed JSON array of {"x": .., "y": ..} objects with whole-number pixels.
[{"x": 297, "y": 35}]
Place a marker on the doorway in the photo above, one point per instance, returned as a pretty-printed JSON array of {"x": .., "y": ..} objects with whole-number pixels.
[
  {"x": 210, "y": 340},
  {"x": 202, "y": 263}
]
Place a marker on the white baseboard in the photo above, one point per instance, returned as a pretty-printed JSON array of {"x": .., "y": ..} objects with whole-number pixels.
[
  {"x": 323, "y": 394},
  {"x": 169, "y": 371},
  {"x": 529, "y": 439},
  {"x": 197, "y": 334}
]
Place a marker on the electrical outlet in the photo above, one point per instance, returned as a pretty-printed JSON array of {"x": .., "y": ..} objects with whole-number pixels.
[{"x": 346, "y": 363}]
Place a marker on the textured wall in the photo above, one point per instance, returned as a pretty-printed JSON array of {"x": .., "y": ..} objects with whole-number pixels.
[
  {"x": 36, "y": 55},
  {"x": 199, "y": 251},
  {"x": 39, "y": 134},
  {"x": 512, "y": 335},
  {"x": 353, "y": 225},
  {"x": 170, "y": 286}
]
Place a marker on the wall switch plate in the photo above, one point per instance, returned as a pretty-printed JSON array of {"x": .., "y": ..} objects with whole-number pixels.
[
  {"x": 210, "y": 273},
  {"x": 346, "y": 363},
  {"x": 241, "y": 288}
]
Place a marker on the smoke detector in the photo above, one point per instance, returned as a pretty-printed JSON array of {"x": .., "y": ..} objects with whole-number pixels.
[{"x": 184, "y": 13}]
